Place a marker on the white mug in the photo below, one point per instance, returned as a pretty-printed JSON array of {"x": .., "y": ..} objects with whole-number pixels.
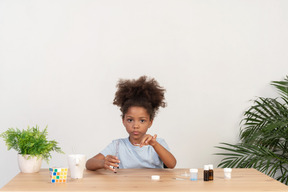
[{"x": 76, "y": 164}]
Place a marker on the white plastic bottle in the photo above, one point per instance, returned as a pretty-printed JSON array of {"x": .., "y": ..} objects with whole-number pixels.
[
  {"x": 227, "y": 173},
  {"x": 193, "y": 174}
]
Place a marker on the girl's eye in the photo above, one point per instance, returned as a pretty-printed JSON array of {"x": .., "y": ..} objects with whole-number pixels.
[
  {"x": 142, "y": 121},
  {"x": 129, "y": 120}
]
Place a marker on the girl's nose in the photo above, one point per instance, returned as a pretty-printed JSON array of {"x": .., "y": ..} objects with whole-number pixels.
[{"x": 135, "y": 126}]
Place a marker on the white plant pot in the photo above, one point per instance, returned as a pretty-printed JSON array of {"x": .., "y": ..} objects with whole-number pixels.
[{"x": 29, "y": 164}]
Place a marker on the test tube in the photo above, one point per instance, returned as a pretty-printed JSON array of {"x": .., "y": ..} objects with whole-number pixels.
[{"x": 117, "y": 152}]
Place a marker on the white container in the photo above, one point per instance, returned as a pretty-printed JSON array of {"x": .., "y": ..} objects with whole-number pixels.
[
  {"x": 227, "y": 173},
  {"x": 193, "y": 174},
  {"x": 76, "y": 164},
  {"x": 29, "y": 164},
  {"x": 155, "y": 177}
]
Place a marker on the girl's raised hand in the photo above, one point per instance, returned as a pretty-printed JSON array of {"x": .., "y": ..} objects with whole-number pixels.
[
  {"x": 111, "y": 161},
  {"x": 148, "y": 140}
]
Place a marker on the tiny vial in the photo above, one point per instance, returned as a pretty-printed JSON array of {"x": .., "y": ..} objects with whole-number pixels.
[
  {"x": 193, "y": 174},
  {"x": 206, "y": 173},
  {"x": 227, "y": 173},
  {"x": 211, "y": 172}
]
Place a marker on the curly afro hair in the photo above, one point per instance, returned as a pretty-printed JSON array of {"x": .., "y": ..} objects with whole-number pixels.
[{"x": 143, "y": 92}]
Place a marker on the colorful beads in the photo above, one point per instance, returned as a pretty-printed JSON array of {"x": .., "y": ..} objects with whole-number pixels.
[{"x": 58, "y": 175}]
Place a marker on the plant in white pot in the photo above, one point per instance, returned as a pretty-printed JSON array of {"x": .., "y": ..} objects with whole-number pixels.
[{"x": 32, "y": 146}]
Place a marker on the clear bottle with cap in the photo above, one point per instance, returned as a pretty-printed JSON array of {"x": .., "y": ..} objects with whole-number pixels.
[
  {"x": 211, "y": 172},
  {"x": 193, "y": 174},
  {"x": 206, "y": 173}
]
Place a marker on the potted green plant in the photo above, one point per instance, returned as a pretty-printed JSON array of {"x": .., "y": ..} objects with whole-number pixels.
[
  {"x": 264, "y": 137},
  {"x": 32, "y": 146}
]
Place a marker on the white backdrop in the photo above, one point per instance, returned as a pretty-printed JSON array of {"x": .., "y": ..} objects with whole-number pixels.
[{"x": 61, "y": 59}]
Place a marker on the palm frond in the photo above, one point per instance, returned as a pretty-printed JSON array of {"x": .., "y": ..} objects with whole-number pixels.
[
  {"x": 282, "y": 87},
  {"x": 253, "y": 156},
  {"x": 263, "y": 137}
]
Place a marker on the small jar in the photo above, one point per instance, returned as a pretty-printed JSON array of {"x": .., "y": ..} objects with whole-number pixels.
[
  {"x": 227, "y": 173},
  {"x": 206, "y": 173},
  {"x": 211, "y": 172},
  {"x": 193, "y": 174}
]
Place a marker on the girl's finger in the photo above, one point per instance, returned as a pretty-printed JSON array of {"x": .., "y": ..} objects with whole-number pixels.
[
  {"x": 114, "y": 165},
  {"x": 110, "y": 168},
  {"x": 116, "y": 160},
  {"x": 112, "y": 159},
  {"x": 148, "y": 139},
  {"x": 144, "y": 139}
]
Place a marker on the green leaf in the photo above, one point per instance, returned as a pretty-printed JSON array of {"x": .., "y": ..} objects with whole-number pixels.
[
  {"x": 31, "y": 141},
  {"x": 263, "y": 137}
]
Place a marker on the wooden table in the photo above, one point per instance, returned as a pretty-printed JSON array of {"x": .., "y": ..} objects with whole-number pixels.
[{"x": 140, "y": 180}]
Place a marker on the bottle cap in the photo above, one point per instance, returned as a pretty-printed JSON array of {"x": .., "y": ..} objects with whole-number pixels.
[
  {"x": 206, "y": 167},
  {"x": 155, "y": 177},
  {"x": 210, "y": 166},
  {"x": 193, "y": 170},
  {"x": 227, "y": 170}
]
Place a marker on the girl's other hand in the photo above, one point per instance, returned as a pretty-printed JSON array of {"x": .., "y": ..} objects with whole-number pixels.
[
  {"x": 111, "y": 161},
  {"x": 148, "y": 140}
]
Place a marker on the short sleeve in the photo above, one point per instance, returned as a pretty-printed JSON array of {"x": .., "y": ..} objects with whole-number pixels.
[
  {"x": 163, "y": 143},
  {"x": 110, "y": 149}
]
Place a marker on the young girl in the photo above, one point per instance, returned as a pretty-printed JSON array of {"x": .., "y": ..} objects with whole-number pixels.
[{"x": 139, "y": 101}]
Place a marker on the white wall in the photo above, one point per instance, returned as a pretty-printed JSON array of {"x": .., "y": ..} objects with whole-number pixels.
[{"x": 61, "y": 59}]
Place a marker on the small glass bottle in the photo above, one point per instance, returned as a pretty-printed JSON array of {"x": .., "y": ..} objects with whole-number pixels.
[
  {"x": 211, "y": 172},
  {"x": 206, "y": 173},
  {"x": 193, "y": 174},
  {"x": 227, "y": 173}
]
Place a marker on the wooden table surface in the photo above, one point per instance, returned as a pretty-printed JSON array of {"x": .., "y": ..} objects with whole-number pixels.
[{"x": 140, "y": 180}]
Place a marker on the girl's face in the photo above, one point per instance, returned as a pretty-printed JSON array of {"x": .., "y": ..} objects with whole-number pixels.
[{"x": 137, "y": 122}]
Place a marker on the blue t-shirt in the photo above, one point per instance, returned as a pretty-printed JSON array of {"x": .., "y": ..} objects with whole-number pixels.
[{"x": 131, "y": 156}]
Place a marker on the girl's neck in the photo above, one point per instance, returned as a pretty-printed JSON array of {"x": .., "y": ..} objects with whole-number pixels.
[{"x": 134, "y": 142}]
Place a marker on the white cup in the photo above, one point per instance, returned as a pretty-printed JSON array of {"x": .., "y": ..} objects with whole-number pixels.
[{"x": 76, "y": 164}]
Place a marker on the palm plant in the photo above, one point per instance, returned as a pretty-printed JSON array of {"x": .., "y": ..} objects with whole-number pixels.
[{"x": 263, "y": 137}]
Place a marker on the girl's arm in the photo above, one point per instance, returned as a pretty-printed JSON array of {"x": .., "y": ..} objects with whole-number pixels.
[
  {"x": 99, "y": 161},
  {"x": 96, "y": 162},
  {"x": 167, "y": 158}
]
